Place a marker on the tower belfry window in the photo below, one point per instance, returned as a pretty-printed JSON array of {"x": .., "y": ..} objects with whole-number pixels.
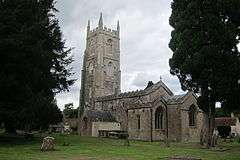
[{"x": 109, "y": 46}]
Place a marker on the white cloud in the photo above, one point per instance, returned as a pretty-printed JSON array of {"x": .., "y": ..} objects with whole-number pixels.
[{"x": 145, "y": 34}]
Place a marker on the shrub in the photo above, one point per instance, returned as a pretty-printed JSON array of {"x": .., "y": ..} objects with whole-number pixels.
[
  {"x": 224, "y": 131},
  {"x": 238, "y": 139}
]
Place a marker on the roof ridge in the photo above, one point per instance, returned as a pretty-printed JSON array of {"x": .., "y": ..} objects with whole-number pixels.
[{"x": 140, "y": 92}]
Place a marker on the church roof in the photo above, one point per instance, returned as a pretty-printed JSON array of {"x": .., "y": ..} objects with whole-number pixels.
[
  {"x": 156, "y": 86},
  {"x": 146, "y": 91},
  {"x": 178, "y": 98},
  {"x": 174, "y": 98},
  {"x": 97, "y": 115},
  {"x": 225, "y": 121}
]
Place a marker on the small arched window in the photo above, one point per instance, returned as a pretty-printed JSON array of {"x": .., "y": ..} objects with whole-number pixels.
[
  {"x": 159, "y": 118},
  {"x": 192, "y": 115}
]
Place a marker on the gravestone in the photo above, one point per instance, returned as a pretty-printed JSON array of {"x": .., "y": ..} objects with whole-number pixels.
[{"x": 48, "y": 144}]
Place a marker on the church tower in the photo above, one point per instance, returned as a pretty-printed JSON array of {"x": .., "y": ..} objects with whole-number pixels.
[{"x": 101, "y": 73}]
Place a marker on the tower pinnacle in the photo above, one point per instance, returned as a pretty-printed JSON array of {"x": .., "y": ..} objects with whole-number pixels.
[
  {"x": 100, "y": 23},
  {"x": 118, "y": 26},
  {"x": 88, "y": 26}
]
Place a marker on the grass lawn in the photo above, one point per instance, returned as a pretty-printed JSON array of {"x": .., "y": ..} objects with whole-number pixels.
[{"x": 88, "y": 148}]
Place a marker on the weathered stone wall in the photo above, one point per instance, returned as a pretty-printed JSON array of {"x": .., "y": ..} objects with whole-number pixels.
[
  {"x": 85, "y": 128},
  {"x": 174, "y": 123},
  {"x": 176, "y": 116},
  {"x": 118, "y": 107},
  {"x": 144, "y": 133},
  {"x": 160, "y": 92},
  {"x": 191, "y": 133}
]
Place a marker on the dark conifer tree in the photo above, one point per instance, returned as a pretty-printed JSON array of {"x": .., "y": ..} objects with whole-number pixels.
[
  {"x": 206, "y": 58},
  {"x": 34, "y": 63}
]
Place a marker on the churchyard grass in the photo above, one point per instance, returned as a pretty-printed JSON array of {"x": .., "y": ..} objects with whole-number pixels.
[{"x": 88, "y": 148}]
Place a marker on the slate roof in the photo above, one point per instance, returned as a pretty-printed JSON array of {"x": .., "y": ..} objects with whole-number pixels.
[
  {"x": 225, "y": 121},
  {"x": 96, "y": 115},
  {"x": 137, "y": 92},
  {"x": 174, "y": 98}
]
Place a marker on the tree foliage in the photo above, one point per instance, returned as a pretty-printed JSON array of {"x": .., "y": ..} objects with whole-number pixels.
[
  {"x": 204, "y": 41},
  {"x": 206, "y": 58},
  {"x": 220, "y": 112},
  {"x": 34, "y": 62},
  {"x": 224, "y": 131},
  {"x": 69, "y": 111},
  {"x": 150, "y": 83}
]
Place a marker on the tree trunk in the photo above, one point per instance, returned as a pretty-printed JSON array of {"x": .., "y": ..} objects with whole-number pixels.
[{"x": 211, "y": 125}]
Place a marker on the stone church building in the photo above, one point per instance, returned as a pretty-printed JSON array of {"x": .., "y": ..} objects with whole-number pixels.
[{"x": 151, "y": 114}]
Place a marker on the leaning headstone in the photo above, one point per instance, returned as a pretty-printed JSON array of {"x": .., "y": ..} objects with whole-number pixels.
[{"x": 48, "y": 144}]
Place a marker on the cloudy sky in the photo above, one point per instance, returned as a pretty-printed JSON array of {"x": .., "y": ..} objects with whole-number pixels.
[{"x": 145, "y": 34}]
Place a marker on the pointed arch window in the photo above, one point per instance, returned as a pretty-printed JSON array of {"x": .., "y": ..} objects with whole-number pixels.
[
  {"x": 159, "y": 118},
  {"x": 109, "y": 46},
  {"x": 192, "y": 115}
]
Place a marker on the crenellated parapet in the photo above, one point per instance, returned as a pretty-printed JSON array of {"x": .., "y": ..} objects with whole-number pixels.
[
  {"x": 105, "y": 30},
  {"x": 102, "y": 29}
]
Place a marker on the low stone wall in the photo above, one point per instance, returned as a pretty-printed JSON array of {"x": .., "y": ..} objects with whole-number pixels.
[{"x": 96, "y": 126}]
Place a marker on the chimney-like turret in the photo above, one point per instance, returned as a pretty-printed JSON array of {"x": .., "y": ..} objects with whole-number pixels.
[
  {"x": 88, "y": 27},
  {"x": 100, "y": 23},
  {"x": 118, "y": 27}
]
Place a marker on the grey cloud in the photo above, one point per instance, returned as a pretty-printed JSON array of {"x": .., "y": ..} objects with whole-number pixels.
[{"x": 141, "y": 79}]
